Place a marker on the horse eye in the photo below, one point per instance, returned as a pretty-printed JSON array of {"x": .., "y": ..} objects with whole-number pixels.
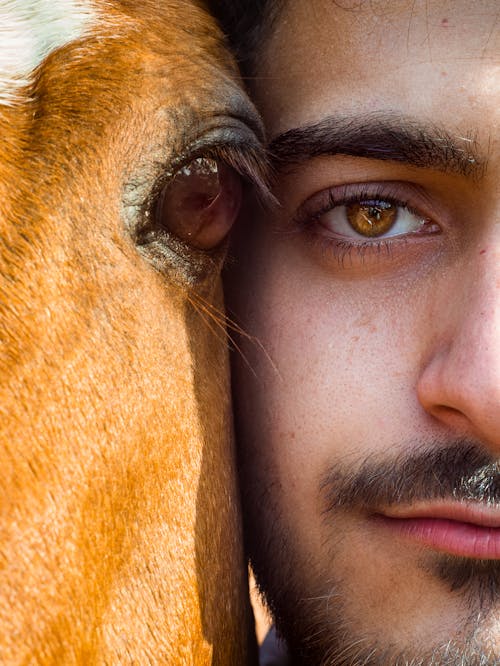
[{"x": 200, "y": 204}]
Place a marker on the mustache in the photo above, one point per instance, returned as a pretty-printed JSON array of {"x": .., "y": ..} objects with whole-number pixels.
[{"x": 462, "y": 471}]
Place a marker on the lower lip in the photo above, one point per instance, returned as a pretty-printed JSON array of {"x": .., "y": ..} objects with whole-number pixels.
[{"x": 448, "y": 536}]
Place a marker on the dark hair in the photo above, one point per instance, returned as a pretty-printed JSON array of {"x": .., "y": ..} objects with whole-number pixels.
[{"x": 245, "y": 23}]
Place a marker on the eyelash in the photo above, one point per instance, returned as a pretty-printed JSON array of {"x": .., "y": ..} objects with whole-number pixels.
[{"x": 308, "y": 215}]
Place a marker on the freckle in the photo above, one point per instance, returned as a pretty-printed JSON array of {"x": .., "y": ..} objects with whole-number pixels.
[
  {"x": 483, "y": 252},
  {"x": 444, "y": 73}
]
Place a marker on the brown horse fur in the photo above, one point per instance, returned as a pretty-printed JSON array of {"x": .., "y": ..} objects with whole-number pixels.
[{"x": 120, "y": 537}]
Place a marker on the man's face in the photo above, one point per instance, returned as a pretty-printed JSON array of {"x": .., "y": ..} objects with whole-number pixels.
[{"x": 368, "y": 391}]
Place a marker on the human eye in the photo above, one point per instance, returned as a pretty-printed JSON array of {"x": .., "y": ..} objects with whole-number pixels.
[{"x": 366, "y": 216}]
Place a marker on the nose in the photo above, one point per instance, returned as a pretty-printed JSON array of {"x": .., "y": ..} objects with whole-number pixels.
[{"x": 459, "y": 384}]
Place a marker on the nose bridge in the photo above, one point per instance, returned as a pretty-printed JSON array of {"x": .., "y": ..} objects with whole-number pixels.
[
  {"x": 460, "y": 384},
  {"x": 479, "y": 324}
]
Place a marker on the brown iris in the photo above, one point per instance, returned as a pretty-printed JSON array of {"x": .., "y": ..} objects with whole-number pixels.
[
  {"x": 371, "y": 218},
  {"x": 200, "y": 204}
]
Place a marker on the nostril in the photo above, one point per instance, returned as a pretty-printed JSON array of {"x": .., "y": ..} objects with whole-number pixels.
[
  {"x": 447, "y": 414},
  {"x": 201, "y": 202}
]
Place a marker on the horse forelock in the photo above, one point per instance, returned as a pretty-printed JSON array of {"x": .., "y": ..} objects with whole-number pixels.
[{"x": 29, "y": 31}]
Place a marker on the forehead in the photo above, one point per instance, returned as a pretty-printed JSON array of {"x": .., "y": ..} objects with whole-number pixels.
[
  {"x": 29, "y": 31},
  {"x": 32, "y": 31},
  {"x": 408, "y": 56}
]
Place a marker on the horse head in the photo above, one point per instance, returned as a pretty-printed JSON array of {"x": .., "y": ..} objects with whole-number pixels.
[{"x": 125, "y": 142}]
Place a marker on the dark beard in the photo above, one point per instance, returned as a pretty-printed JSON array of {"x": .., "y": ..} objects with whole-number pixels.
[
  {"x": 477, "y": 580},
  {"x": 312, "y": 623},
  {"x": 323, "y": 642},
  {"x": 454, "y": 653},
  {"x": 463, "y": 471}
]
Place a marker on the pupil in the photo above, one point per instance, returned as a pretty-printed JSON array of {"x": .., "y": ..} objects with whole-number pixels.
[
  {"x": 375, "y": 212},
  {"x": 378, "y": 210},
  {"x": 371, "y": 218}
]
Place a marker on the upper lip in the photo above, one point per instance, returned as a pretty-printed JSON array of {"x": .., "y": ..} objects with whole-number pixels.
[{"x": 474, "y": 513}]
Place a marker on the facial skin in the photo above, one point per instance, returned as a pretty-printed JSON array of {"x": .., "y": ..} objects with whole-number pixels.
[{"x": 368, "y": 388}]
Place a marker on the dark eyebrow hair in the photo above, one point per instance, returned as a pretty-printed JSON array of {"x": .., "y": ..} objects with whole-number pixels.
[{"x": 382, "y": 137}]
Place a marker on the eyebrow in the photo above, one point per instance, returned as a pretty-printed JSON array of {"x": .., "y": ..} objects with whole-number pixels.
[{"x": 385, "y": 137}]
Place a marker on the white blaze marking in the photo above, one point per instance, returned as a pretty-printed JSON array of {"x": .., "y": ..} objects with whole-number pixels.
[{"x": 29, "y": 31}]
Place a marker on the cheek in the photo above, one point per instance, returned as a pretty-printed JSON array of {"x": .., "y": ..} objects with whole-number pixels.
[{"x": 339, "y": 368}]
